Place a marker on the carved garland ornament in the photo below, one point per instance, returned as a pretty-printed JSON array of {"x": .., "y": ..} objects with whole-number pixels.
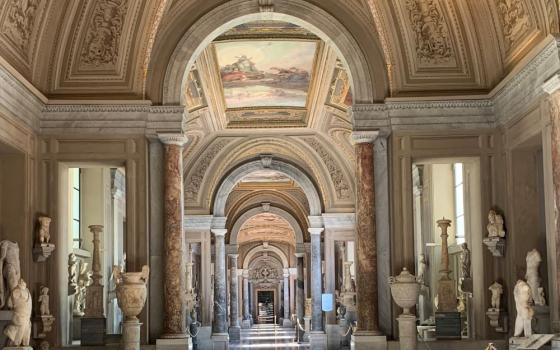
[
  {"x": 433, "y": 42},
  {"x": 514, "y": 20},
  {"x": 19, "y": 22},
  {"x": 193, "y": 184},
  {"x": 101, "y": 45},
  {"x": 337, "y": 176}
]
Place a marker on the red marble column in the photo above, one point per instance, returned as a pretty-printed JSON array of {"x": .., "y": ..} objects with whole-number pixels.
[
  {"x": 174, "y": 318},
  {"x": 366, "y": 239}
]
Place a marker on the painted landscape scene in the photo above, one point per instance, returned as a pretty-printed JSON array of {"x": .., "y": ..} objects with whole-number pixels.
[{"x": 265, "y": 73}]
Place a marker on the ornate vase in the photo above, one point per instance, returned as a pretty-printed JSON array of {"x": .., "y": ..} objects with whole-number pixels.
[
  {"x": 405, "y": 289},
  {"x": 131, "y": 292}
]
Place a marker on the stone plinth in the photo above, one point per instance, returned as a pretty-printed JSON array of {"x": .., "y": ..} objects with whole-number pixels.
[
  {"x": 92, "y": 331},
  {"x": 220, "y": 341},
  {"x": 448, "y": 325},
  {"x": 17, "y": 348},
  {"x": 368, "y": 342},
  {"x": 42, "y": 251},
  {"x": 317, "y": 340},
  {"x": 174, "y": 344},
  {"x": 407, "y": 332},
  {"x": 130, "y": 335}
]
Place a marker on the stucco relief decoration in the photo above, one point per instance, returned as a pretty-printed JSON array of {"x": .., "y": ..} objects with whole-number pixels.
[
  {"x": 195, "y": 180},
  {"x": 264, "y": 273},
  {"x": 514, "y": 20},
  {"x": 340, "y": 183},
  {"x": 19, "y": 21},
  {"x": 433, "y": 42},
  {"x": 101, "y": 45}
]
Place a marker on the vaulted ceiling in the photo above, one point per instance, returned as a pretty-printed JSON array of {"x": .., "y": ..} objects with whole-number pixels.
[{"x": 119, "y": 49}]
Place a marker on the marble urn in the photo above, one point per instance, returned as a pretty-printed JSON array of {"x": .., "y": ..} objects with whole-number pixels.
[
  {"x": 131, "y": 292},
  {"x": 405, "y": 289}
]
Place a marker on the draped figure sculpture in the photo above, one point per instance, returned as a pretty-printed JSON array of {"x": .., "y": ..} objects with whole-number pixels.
[
  {"x": 10, "y": 270},
  {"x": 18, "y": 331}
]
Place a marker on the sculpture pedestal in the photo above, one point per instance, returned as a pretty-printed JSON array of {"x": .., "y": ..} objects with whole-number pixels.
[
  {"x": 448, "y": 325},
  {"x": 234, "y": 334},
  {"x": 220, "y": 341},
  {"x": 318, "y": 340},
  {"x": 92, "y": 331},
  {"x": 496, "y": 245},
  {"x": 407, "y": 332},
  {"x": 246, "y": 324},
  {"x": 130, "y": 335},
  {"x": 174, "y": 344},
  {"x": 307, "y": 327},
  {"x": 41, "y": 252},
  {"x": 17, "y": 348},
  {"x": 515, "y": 342},
  {"x": 364, "y": 341},
  {"x": 498, "y": 319},
  {"x": 541, "y": 320}
]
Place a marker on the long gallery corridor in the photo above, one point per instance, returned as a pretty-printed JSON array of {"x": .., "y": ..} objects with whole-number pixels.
[{"x": 268, "y": 336}]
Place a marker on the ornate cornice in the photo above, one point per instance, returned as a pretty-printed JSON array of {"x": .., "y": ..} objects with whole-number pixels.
[
  {"x": 364, "y": 136},
  {"x": 111, "y": 108},
  {"x": 552, "y": 85},
  {"x": 315, "y": 230},
  {"x": 219, "y": 231}
]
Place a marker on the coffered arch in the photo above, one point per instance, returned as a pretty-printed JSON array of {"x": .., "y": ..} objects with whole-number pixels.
[{"x": 249, "y": 257}]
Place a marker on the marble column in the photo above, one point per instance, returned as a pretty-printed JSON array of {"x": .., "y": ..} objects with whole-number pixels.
[
  {"x": 174, "y": 319},
  {"x": 220, "y": 335},
  {"x": 367, "y": 335},
  {"x": 287, "y": 322},
  {"x": 552, "y": 87},
  {"x": 317, "y": 335},
  {"x": 300, "y": 295},
  {"x": 246, "y": 323},
  {"x": 234, "y": 328}
]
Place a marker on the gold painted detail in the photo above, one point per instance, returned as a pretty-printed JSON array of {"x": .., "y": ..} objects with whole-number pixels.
[{"x": 104, "y": 32}]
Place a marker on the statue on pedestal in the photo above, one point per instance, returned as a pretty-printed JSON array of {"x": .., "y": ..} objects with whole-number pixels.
[
  {"x": 43, "y": 247},
  {"x": 44, "y": 302},
  {"x": 497, "y": 290},
  {"x": 422, "y": 265},
  {"x": 72, "y": 275},
  {"x": 83, "y": 283},
  {"x": 532, "y": 275},
  {"x": 495, "y": 225},
  {"x": 465, "y": 261},
  {"x": 10, "y": 270},
  {"x": 523, "y": 300},
  {"x": 18, "y": 331}
]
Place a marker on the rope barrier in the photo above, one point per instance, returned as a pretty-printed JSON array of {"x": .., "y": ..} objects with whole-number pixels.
[
  {"x": 299, "y": 325},
  {"x": 348, "y": 331}
]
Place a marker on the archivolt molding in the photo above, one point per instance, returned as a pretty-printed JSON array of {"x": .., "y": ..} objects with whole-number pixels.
[{"x": 248, "y": 259}]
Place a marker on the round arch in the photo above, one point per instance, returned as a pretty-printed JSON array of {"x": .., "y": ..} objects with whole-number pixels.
[
  {"x": 273, "y": 210},
  {"x": 368, "y": 85},
  {"x": 261, "y": 249},
  {"x": 302, "y": 179}
]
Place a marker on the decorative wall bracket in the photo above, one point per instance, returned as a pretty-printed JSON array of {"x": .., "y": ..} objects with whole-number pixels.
[
  {"x": 496, "y": 245},
  {"x": 42, "y": 251},
  {"x": 498, "y": 319}
]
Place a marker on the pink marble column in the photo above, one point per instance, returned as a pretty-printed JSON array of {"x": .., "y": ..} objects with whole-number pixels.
[
  {"x": 174, "y": 318},
  {"x": 366, "y": 238}
]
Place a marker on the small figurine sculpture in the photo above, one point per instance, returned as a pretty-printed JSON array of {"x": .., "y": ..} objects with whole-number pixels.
[
  {"x": 72, "y": 275},
  {"x": 465, "y": 262},
  {"x": 532, "y": 275},
  {"x": 421, "y": 268},
  {"x": 523, "y": 299},
  {"x": 18, "y": 331},
  {"x": 497, "y": 291},
  {"x": 495, "y": 225},
  {"x": 44, "y": 302},
  {"x": 44, "y": 234}
]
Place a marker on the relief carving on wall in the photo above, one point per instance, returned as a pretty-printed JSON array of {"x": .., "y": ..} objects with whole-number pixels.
[
  {"x": 195, "y": 180},
  {"x": 101, "y": 46},
  {"x": 337, "y": 176},
  {"x": 19, "y": 22},
  {"x": 264, "y": 273},
  {"x": 432, "y": 37},
  {"x": 514, "y": 20}
]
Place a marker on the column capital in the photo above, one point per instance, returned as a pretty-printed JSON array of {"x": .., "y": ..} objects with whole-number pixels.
[
  {"x": 364, "y": 136},
  {"x": 219, "y": 232},
  {"x": 246, "y": 274},
  {"x": 315, "y": 230},
  {"x": 234, "y": 256},
  {"x": 173, "y": 139}
]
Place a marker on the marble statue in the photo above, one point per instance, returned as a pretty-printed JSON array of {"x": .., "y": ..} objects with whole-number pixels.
[
  {"x": 421, "y": 268},
  {"x": 83, "y": 283},
  {"x": 532, "y": 275},
  {"x": 497, "y": 290},
  {"x": 523, "y": 300},
  {"x": 10, "y": 270},
  {"x": 495, "y": 225},
  {"x": 465, "y": 261},
  {"x": 44, "y": 302},
  {"x": 72, "y": 275},
  {"x": 44, "y": 234},
  {"x": 490, "y": 347},
  {"x": 18, "y": 331}
]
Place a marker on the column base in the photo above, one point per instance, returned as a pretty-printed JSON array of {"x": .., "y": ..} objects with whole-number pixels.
[
  {"x": 130, "y": 335},
  {"x": 220, "y": 341},
  {"x": 287, "y": 323},
  {"x": 234, "y": 334},
  {"x": 317, "y": 340},
  {"x": 334, "y": 335},
  {"x": 368, "y": 341},
  {"x": 246, "y": 324},
  {"x": 174, "y": 344}
]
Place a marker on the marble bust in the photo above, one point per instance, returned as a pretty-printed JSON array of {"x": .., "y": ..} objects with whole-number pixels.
[
  {"x": 10, "y": 270},
  {"x": 523, "y": 300},
  {"x": 497, "y": 290},
  {"x": 18, "y": 331},
  {"x": 533, "y": 260},
  {"x": 495, "y": 225}
]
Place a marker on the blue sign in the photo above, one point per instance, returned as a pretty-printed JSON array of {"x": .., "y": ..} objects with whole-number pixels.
[{"x": 327, "y": 302}]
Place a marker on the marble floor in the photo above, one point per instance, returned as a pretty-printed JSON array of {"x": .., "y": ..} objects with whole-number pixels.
[{"x": 268, "y": 336}]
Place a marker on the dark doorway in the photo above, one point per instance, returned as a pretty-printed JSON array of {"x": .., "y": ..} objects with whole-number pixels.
[{"x": 265, "y": 300}]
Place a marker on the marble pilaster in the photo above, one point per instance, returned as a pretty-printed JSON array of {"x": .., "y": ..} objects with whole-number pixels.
[
  {"x": 234, "y": 328},
  {"x": 366, "y": 245},
  {"x": 174, "y": 320},
  {"x": 246, "y": 323},
  {"x": 317, "y": 335},
  {"x": 220, "y": 334},
  {"x": 287, "y": 322},
  {"x": 300, "y": 294}
]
